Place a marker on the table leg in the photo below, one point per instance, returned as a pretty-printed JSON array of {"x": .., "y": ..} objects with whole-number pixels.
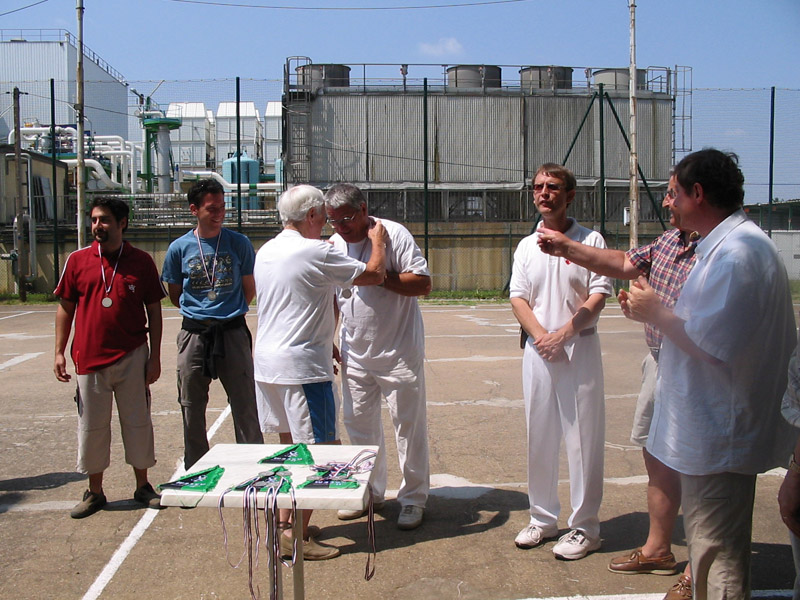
[{"x": 297, "y": 571}]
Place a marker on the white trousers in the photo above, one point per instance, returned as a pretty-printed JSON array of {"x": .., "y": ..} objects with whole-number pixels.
[
  {"x": 565, "y": 398},
  {"x": 404, "y": 390}
]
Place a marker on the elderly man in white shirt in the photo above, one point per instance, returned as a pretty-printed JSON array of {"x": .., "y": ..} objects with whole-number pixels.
[{"x": 296, "y": 276}]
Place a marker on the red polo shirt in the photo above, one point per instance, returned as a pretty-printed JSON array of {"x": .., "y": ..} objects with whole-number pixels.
[{"x": 104, "y": 335}]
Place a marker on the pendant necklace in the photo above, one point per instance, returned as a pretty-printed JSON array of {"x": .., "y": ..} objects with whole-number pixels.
[
  {"x": 107, "y": 301},
  {"x": 348, "y": 292},
  {"x": 212, "y": 279}
]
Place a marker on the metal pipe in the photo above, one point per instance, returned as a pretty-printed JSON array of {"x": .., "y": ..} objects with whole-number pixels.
[
  {"x": 771, "y": 154},
  {"x": 238, "y": 162},
  {"x": 227, "y": 185},
  {"x": 96, "y": 167},
  {"x": 54, "y": 153},
  {"x": 164, "y": 170},
  {"x": 27, "y": 131},
  {"x": 425, "y": 156},
  {"x": 602, "y": 164},
  {"x": 19, "y": 242}
]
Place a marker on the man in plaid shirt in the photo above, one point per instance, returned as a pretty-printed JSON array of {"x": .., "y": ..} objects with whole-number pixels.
[{"x": 666, "y": 262}]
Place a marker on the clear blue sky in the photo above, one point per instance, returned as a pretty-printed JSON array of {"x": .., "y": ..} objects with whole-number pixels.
[{"x": 729, "y": 43}]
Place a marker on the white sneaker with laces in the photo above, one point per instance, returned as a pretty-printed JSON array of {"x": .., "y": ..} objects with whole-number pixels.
[
  {"x": 574, "y": 545},
  {"x": 533, "y": 535},
  {"x": 410, "y": 517}
]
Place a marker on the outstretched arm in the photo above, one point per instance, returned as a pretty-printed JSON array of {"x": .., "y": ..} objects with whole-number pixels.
[{"x": 604, "y": 261}]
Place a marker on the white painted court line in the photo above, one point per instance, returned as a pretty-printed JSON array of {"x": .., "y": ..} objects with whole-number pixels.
[
  {"x": 19, "y": 359},
  {"x": 755, "y": 594},
  {"x": 24, "y": 336},
  {"x": 476, "y": 358},
  {"x": 22, "y": 314},
  {"x": 141, "y": 527}
]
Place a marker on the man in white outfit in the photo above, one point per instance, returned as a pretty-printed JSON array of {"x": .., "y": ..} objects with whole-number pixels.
[
  {"x": 557, "y": 303},
  {"x": 296, "y": 275},
  {"x": 383, "y": 349}
]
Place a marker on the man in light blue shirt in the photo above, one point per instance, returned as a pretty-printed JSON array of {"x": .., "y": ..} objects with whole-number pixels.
[{"x": 209, "y": 275}]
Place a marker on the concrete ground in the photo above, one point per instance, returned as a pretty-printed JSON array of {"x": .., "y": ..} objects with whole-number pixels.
[{"x": 463, "y": 550}]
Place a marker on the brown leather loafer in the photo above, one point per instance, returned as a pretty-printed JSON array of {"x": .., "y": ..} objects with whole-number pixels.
[
  {"x": 682, "y": 590},
  {"x": 636, "y": 563}
]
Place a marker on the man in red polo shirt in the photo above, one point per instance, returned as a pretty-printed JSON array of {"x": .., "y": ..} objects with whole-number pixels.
[{"x": 113, "y": 292}]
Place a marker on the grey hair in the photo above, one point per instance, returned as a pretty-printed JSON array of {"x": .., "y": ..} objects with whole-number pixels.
[
  {"x": 344, "y": 194},
  {"x": 294, "y": 203}
]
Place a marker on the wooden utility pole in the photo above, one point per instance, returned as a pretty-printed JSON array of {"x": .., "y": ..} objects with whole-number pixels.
[
  {"x": 19, "y": 239},
  {"x": 634, "y": 157},
  {"x": 81, "y": 166}
]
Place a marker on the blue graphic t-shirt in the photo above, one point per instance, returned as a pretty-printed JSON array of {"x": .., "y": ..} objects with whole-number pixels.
[{"x": 184, "y": 265}]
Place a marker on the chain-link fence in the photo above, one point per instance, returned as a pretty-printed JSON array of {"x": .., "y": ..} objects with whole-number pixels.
[{"x": 473, "y": 226}]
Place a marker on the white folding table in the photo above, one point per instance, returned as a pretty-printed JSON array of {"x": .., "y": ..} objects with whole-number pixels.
[{"x": 240, "y": 462}]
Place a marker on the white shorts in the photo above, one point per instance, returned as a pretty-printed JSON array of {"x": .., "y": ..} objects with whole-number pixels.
[{"x": 307, "y": 411}]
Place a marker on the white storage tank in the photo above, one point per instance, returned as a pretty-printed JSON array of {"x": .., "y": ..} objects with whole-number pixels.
[
  {"x": 619, "y": 79},
  {"x": 474, "y": 76},
  {"x": 545, "y": 78},
  {"x": 313, "y": 77}
]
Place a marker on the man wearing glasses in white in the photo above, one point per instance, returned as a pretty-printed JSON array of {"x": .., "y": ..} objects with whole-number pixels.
[
  {"x": 557, "y": 303},
  {"x": 383, "y": 348}
]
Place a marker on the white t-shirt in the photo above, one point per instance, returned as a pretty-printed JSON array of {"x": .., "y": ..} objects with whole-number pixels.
[
  {"x": 554, "y": 287},
  {"x": 296, "y": 279},
  {"x": 379, "y": 327},
  {"x": 737, "y": 307}
]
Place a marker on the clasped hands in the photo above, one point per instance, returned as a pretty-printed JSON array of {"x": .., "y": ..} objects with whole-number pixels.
[{"x": 550, "y": 346}]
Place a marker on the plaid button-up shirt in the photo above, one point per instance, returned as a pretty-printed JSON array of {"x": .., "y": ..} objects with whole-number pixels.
[{"x": 666, "y": 262}]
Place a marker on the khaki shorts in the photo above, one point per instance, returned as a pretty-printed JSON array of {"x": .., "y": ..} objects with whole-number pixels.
[
  {"x": 645, "y": 402},
  {"x": 124, "y": 381}
]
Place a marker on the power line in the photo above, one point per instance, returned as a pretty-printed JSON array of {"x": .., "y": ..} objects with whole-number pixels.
[
  {"x": 348, "y": 8},
  {"x": 23, "y": 8}
]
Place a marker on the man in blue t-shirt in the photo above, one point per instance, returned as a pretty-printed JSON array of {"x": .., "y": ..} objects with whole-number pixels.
[{"x": 209, "y": 275}]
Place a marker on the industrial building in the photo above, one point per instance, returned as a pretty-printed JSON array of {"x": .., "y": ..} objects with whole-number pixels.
[
  {"x": 486, "y": 135},
  {"x": 33, "y": 57}
]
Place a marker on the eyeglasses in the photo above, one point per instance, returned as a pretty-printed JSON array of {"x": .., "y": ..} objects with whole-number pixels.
[
  {"x": 672, "y": 193},
  {"x": 343, "y": 220},
  {"x": 551, "y": 187}
]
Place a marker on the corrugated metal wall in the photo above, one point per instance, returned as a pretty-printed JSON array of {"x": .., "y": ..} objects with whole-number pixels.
[
  {"x": 476, "y": 139},
  {"x": 338, "y": 144},
  {"x": 552, "y": 122}
]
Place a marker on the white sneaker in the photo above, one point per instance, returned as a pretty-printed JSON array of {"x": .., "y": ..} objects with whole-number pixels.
[
  {"x": 410, "y": 517},
  {"x": 533, "y": 535},
  {"x": 575, "y": 545}
]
